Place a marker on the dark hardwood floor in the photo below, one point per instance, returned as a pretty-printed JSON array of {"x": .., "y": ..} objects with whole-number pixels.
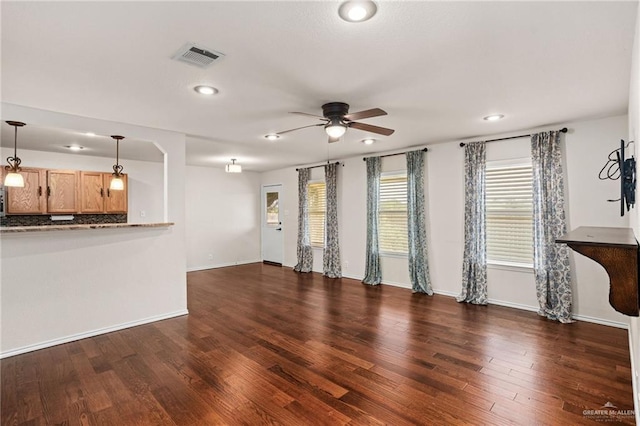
[{"x": 264, "y": 345}]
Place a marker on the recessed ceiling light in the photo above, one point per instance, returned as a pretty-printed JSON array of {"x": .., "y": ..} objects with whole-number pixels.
[
  {"x": 272, "y": 136},
  {"x": 74, "y": 147},
  {"x": 357, "y": 10},
  {"x": 90, "y": 134},
  {"x": 368, "y": 141},
  {"x": 206, "y": 90},
  {"x": 494, "y": 117}
]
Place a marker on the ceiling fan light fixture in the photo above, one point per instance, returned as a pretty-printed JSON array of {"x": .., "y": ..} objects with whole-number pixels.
[
  {"x": 233, "y": 167},
  {"x": 357, "y": 10},
  {"x": 335, "y": 129},
  {"x": 272, "y": 136}
]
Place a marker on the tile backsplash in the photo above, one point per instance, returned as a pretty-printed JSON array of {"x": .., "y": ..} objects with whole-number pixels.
[{"x": 78, "y": 219}]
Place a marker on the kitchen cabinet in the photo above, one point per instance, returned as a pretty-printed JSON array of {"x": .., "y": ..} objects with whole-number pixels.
[
  {"x": 62, "y": 191},
  {"x": 98, "y": 198},
  {"x": 30, "y": 199},
  {"x": 49, "y": 191},
  {"x": 115, "y": 201},
  {"x": 91, "y": 192}
]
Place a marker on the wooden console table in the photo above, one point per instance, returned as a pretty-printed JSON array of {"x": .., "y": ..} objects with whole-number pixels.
[{"x": 616, "y": 249}]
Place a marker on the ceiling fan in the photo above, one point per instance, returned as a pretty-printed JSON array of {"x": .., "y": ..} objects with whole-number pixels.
[{"x": 336, "y": 119}]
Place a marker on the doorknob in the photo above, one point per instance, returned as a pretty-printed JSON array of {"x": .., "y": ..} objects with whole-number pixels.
[{"x": 278, "y": 229}]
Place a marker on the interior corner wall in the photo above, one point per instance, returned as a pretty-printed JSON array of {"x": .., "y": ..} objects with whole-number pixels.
[
  {"x": 223, "y": 218},
  {"x": 587, "y": 146},
  {"x": 65, "y": 285}
]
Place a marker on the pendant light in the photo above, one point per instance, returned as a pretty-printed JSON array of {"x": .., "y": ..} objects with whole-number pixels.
[
  {"x": 233, "y": 167},
  {"x": 117, "y": 184},
  {"x": 13, "y": 177}
]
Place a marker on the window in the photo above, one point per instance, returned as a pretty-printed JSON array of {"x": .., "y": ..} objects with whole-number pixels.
[
  {"x": 317, "y": 199},
  {"x": 509, "y": 213},
  {"x": 273, "y": 211},
  {"x": 392, "y": 232}
]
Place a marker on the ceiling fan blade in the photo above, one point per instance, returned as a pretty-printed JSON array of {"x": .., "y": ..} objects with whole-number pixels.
[
  {"x": 308, "y": 115},
  {"x": 332, "y": 140},
  {"x": 298, "y": 128},
  {"x": 371, "y": 128},
  {"x": 374, "y": 112}
]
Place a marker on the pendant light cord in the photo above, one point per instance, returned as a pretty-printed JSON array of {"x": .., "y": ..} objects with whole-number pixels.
[{"x": 15, "y": 142}]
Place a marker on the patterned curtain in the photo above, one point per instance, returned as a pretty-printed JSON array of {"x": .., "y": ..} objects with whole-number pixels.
[
  {"x": 331, "y": 257},
  {"x": 416, "y": 224},
  {"x": 304, "y": 251},
  {"x": 474, "y": 263},
  {"x": 372, "y": 273},
  {"x": 550, "y": 260}
]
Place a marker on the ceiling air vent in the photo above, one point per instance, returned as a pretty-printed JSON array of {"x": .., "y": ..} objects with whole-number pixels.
[{"x": 196, "y": 55}]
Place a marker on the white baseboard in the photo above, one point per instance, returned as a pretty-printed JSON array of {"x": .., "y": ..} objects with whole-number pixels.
[
  {"x": 601, "y": 321},
  {"x": 92, "y": 333},
  {"x": 530, "y": 308},
  {"x": 222, "y": 265},
  {"x": 634, "y": 378},
  {"x": 385, "y": 282}
]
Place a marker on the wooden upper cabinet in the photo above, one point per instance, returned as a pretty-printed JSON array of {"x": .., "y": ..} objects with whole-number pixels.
[
  {"x": 31, "y": 198},
  {"x": 62, "y": 191},
  {"x": 115, "y": 201},
  {"x": 92, "y": 192},
  {"x": 96, "y": 197}
]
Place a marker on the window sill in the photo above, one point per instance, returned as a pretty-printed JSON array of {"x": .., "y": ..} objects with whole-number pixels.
[
  {"x": 396, "y": 255},
  {"x": 513, "y": 267},
  {"x": 317, "y": 247}
]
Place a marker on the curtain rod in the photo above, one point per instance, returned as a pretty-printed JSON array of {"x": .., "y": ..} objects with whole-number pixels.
[
  {"x": 391, "y": 155},
  {"x": 563, "y": 130},
  {"x": 321, "y": 165}
]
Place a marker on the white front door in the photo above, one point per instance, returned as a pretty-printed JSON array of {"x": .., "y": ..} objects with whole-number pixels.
[{"x": 272, "y": 233}]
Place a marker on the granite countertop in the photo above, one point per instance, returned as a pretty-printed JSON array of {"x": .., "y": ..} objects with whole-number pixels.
[{"x": 16, "y": 229}]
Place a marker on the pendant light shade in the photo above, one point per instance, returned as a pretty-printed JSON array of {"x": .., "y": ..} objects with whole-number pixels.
[
  {"x": 117, "y": 184},
  {"x": 13, "y": 176},
  {"x": 14, "y": 179},
  {"x": 233, "y": 167}
]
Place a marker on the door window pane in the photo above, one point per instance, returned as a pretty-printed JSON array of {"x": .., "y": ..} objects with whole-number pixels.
[{"x": 273, "y": 211}]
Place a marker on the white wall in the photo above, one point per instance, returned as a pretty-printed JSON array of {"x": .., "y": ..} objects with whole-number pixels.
[
  {"x": 145, "y": 178},
  {"x": 222, "y": 218},
  {"x": 64, "y": 285},
  {"x": 634, "y": 132},
  {"x": 587, "y": 147}
]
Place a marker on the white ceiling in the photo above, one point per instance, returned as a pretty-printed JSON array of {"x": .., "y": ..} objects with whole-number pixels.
[
  {"x": 57, "y": 140},
  {"x": 436, "y": 67}
]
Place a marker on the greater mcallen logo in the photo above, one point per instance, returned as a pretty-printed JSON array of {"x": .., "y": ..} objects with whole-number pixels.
[{"x": 608, "y": 413}]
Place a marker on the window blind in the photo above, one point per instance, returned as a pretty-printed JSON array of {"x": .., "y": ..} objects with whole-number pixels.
[
  {"x": 392, "y": 231},
  {"x": 316, "y": 196},
  {"x": 509, "y": 203}
]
